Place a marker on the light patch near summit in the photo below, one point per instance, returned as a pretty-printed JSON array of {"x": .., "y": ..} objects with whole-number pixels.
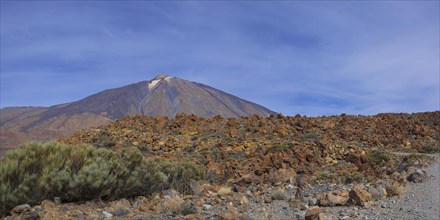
[{"x": 153, "y": 83}]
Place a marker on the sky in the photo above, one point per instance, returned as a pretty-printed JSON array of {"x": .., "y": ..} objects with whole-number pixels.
[{"x": 296, "y": 57}]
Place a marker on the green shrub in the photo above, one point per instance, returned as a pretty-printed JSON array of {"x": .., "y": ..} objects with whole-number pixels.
[
  {"x": 379, "y": 157},
  {"x": 338, "y": 177},
  {"x": 187, "y": 209},
  {"x": 279, "y": 148},
  {"x": 180, "y": 174},
  {"x": 35, "y": 172},
  {"x": 103, "y": 140},
  {"x": 355, "y": 177},
  {"x": 325, "y": 176},
  {"x": 411, "y": 158},
  {"x": 144, "y": 149},
  {"x": 174, "y": 133},
  {"x": 310, "y": 136},
  {"x": 429, "y": 149}
]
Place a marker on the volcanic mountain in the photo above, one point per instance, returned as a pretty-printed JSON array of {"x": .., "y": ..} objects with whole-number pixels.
[{"x": 161, "y": 96}]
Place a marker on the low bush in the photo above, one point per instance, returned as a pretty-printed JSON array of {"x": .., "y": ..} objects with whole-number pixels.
[
  {"x": 187, "y": 209},
  {"x": 429, "y": 149},
  {"x": 412, "y": 158},
  {"x": 325, "y": 177},
  {"x": 103, "y": 140},
  {"x": 310, "y": 136},
  {"x": 279, "y": 148},
  {"x": 379, "y": 157},
  {"x": 34, "y": 172},
  {"x": 339, "y": 177},
  {"x": 180, "y": 174}
]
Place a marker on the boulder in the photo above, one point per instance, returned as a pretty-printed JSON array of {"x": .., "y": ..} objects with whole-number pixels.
[
  {"x": 359, "y": 196},
  {"x": 335, "y": 198},
  {"x": 417, "y": 176},
  {"x": 312, "y": 212},
  {"x": 29, "y": 215},
  {"x": 207, "y": 206},
  {"x": 378, "y": 193},
  {"x": 396, "y": 176},
  {"x": 282, "y": 176},
  {"x": 316, "y": 213},
  {"x": 17, "y": 210},
  {"x": 106, "y": 214}
]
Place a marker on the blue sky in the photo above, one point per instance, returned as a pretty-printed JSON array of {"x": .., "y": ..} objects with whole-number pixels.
[{"x": 312, "y": 58}]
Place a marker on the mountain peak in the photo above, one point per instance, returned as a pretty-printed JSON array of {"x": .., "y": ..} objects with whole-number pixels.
[
  {"x": 161, "y": 96},
  {"x": 152, "y": 84},
  {"x": 161, "y": 76}
]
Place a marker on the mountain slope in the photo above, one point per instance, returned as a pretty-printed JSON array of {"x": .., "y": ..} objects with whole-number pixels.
[
  {"x": 169, "y": 96},
  {"x": 161, "y": 96}
]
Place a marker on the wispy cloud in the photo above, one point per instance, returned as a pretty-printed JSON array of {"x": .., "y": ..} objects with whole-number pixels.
[{"x": 310, "y": 58}]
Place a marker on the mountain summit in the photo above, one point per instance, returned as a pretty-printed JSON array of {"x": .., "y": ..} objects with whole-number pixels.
[
  {"x": 161, "y": 96},
  {"x": 161, "y": 76},
  {"x": 168, "y": 96}
]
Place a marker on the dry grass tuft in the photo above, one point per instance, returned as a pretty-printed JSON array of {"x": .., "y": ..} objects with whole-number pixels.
[
  {"x": 173, "y": 205},
  {"x": 224, "y": 191},
  {"x": 396, "y": 189}
]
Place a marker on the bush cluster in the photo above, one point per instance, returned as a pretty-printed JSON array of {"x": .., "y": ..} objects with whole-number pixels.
[{"x": 34, "y": 172}]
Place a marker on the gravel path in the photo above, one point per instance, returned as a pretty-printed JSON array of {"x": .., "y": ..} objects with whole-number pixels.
[{"x": 421, "y": 201}]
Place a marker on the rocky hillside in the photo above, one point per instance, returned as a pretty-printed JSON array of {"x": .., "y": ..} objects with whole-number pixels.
[
  {"x": 266, "y": 149},
  {"x": 226, "y": 168},
  {"x": 161, "y": 96}
]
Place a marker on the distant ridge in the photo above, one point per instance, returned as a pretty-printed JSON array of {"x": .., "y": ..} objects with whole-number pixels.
[{"x": 161, "y": 96}]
